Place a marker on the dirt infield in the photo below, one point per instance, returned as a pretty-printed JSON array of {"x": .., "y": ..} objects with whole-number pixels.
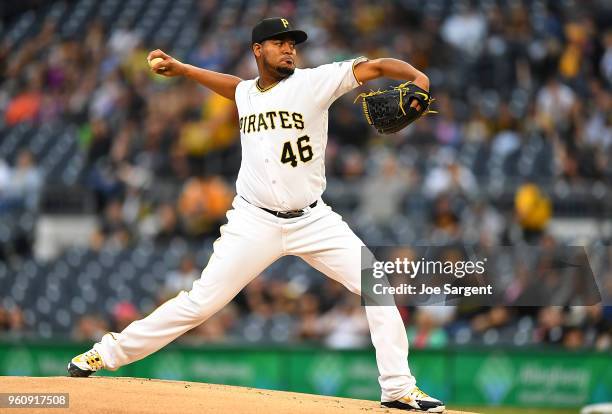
[{"x": 139, "y": 395}]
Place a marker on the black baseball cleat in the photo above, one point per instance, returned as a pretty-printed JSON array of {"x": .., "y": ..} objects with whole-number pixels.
[
  {"x": 84, "y": 365},
  {"x": 416, "y": 400}
]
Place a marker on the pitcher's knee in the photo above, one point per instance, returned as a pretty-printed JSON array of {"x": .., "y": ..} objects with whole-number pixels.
[
  {"x": 203, "y": 306},
  {"x": 198, "y": 308}
]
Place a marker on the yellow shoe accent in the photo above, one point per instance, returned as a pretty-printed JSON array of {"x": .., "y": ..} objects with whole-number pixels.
[{"x": 85, "y": 364}]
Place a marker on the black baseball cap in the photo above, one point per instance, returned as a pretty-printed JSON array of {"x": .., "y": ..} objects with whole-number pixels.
[{"x": 273, "y": 27}]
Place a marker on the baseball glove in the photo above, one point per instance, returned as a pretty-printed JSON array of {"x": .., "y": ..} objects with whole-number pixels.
[{"x": 389, "y": 111}]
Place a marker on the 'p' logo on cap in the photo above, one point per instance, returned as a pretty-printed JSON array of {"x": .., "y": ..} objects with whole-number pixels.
[{"x": 275, "y": 27}]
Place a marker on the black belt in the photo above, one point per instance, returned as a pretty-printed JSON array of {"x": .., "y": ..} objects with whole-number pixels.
[{"x": 284, "y": 214}]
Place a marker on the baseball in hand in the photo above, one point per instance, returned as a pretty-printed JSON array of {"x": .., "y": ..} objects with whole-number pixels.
[{"x": 155, "y": 61}]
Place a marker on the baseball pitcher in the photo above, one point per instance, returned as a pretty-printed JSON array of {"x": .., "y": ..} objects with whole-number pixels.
[{"x": 278, "y": 208}]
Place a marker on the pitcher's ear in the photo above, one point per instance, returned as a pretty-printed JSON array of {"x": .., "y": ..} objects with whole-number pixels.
[{"x": 256, "y": 47}]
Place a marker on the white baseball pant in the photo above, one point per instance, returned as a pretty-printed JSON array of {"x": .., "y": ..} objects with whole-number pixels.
[{"x": 251, "y": 240}]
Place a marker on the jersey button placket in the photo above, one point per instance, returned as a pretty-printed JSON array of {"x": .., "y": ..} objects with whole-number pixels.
[{"x": 270, "y": 171}]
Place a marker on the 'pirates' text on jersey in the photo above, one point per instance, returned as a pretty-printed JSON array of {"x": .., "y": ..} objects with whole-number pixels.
[{"x": 283, "y": 132}]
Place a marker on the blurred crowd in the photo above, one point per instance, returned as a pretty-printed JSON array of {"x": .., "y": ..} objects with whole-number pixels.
[
  {"x": 288, "y": 305},
  {"x": 20, "y": 185},
  {"x": 271, "y": 311},
  {"x": 161, "y": 154}
]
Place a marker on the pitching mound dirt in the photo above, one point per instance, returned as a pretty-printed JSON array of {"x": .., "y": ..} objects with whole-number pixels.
[{"x": 138, "y": 395}]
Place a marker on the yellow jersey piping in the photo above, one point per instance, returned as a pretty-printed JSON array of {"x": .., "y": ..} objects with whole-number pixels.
[{"x": 260, "y": 89}]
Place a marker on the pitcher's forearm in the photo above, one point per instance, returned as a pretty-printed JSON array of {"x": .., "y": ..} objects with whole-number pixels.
[
  {"x": 221, "y": 83},
  {"x": 400, "y": 70},
  {"x": 391, "y": 68}
]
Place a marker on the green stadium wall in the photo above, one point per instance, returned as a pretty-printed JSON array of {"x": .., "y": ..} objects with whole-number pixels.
[{"x": 464, "y": 376}]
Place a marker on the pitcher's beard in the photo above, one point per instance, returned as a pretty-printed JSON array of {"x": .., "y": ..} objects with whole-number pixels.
[
  {"x": 281, "y": 72},
  {"x": 284, "y": 71}
]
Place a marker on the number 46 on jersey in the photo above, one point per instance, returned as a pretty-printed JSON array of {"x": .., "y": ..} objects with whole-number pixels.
[{"x": 302, "y": 149}]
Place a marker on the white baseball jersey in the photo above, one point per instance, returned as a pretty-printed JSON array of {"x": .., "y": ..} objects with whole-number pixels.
[{"x": 283, "y": 131}]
